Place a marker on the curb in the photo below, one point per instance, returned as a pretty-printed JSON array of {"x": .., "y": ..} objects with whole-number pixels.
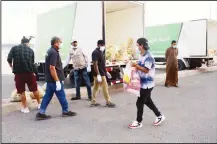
[{"x": 32, "y": 104}]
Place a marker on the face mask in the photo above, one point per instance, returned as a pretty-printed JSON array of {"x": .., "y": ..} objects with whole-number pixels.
[
  {"x": 102, "y": 48},
  {"x": 73, "y": 47},
  {"x": 174, "y": 46},
  {"x": 138, "y": 51},
  {"x": 61, "y": 45}
]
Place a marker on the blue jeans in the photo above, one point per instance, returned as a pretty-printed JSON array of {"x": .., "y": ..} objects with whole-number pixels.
[
  {"x": 50, "y": 90},
  {"x": 77, "y": 77}
]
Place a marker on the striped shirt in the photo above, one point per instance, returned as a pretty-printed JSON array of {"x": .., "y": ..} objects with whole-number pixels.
[{"x": 147, "y": 79}]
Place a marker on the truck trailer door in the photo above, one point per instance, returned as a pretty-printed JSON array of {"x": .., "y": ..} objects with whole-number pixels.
[
  {"x": 60, "y": 23},
  {"x": 88, "y": 25}
]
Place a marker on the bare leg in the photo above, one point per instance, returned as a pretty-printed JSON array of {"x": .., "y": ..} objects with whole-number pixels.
[
  {"x": 37, "y": 96},
  {"x": 23, "y": 99}
]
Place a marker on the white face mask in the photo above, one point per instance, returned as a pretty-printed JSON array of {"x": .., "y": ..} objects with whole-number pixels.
[
  {"x": 174, "y": 46},
  {"x": 102, "y": 48},
  {"x": 61, "y": 45},
  {"x": 73, "y": 47},
  {"x": 138, "y": 51}
]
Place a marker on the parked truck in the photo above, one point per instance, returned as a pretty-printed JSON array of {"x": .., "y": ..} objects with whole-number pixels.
[
  {"x": 196, "y": 42},
  {"x": 119, "y": 23}
]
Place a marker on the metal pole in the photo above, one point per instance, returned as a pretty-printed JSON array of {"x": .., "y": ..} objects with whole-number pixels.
[{"x": 103, "y": 20}]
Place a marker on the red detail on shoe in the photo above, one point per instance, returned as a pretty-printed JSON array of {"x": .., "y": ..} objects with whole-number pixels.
[{"x": 132, "y": 126}]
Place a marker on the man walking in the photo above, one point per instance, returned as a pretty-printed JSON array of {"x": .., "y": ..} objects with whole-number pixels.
[
  {"x": 146, "y": 71},
  {"x": 54, "y": 77},
  {"x": 21, "y": 60},
  {"x": 172, "y": 65},
  {"x": 99, "y": 73},
  {"x": 80, "y": 64}
]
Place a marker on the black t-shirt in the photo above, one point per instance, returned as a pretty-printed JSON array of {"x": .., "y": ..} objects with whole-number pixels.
[
  {"x": 98, "y": 56},
  {"x": 53, "y": 58}
]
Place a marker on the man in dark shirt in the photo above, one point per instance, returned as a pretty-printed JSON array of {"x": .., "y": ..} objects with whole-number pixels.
[
  {"x": 21, "y": 60},
  {"x": 99, "y": 74},
  {"x": 54, "y": 77}
]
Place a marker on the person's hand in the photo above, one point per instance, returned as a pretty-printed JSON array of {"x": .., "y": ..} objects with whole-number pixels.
[
  {"x": 58, "y": 86},
  {"x": 11, "y": 66},
  {"x": 88, "y": 68},
  {"x": 133, "y": 64},
  {"x": 99, "y": 78}
]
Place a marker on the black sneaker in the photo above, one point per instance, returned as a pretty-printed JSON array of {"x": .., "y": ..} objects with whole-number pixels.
[
  {"x": 40, "y": 116},
  {"x": 76, "y": 98},
  {"x": 69, "y": 114},
  {"x": 94, "y": 104},
  {"x": 90, "y": 98},
  {"x": 110, "y": 104},
  {"x": 166, "y": 86}
]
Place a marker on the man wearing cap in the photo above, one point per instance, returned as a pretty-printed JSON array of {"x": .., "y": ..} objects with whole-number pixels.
[
  {"x": 21, "y": 60},
  {"x": 80, "y": 65}
]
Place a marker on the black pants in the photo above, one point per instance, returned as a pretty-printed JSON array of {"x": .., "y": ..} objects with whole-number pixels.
[{"x": 145, "y": 98}]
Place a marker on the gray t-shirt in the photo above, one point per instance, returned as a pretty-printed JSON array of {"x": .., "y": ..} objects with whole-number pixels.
[{"x": 53, "y": 58}]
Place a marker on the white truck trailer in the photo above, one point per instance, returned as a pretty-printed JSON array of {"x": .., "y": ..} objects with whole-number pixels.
[
  {"x": 89, "y": 21},
  {"x": 196, "y": 40}
]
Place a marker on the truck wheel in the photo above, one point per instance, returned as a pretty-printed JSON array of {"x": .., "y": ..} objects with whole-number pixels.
[
  {"x": 195, "y": 63},
  {"x": 181, "y": 65}
]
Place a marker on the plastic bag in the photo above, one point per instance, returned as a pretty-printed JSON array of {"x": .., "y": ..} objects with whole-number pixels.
[
  {"x": 15, "y": 97},
  {"x": 41, "y": 92},
  {"x": 134, "y": 85},
  {"x": 127, "y": 73}
]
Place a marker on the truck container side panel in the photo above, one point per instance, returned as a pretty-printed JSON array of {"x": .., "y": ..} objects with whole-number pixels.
[
  {"x": 160, "y": 37},
  {"x": 124, "y": 24},
  {"x": 192, "y": 41},
  {"x": 212, "y": 38},
  {"x": 60, "y": 23},
  {"x": 88, "y": 25}
]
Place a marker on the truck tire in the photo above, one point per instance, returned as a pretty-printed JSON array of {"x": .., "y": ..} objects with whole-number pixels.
[
  {"x": 195, "y": 63},
  {"x": 181, "y": 65}
]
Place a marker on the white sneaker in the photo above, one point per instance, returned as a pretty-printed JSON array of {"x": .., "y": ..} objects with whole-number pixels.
[
  {"x": 39, "y": 106},
  {"x": 25, "y": 110},
  {"x": 159, "y": 120},
  {"x": 135, "y": 125}
]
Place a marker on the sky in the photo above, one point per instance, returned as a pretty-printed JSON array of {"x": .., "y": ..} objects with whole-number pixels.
[{"x": 19, "y": 17}]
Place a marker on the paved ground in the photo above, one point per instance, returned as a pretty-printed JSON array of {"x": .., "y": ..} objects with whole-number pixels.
[
  {"x": 190, "y": 111},
  {"x": 8, "y": 83}
]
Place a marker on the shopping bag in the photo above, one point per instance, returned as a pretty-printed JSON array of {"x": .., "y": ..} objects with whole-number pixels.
[
  {"x": 41, "y": 92},
  {"x": 134, "y": 85},
  {"x": 127, "y": 73}
]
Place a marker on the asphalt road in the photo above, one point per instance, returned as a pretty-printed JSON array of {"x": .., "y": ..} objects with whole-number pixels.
[
  {"x": 190, "y": 111},
  {"x": 8, "y": 83}
]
